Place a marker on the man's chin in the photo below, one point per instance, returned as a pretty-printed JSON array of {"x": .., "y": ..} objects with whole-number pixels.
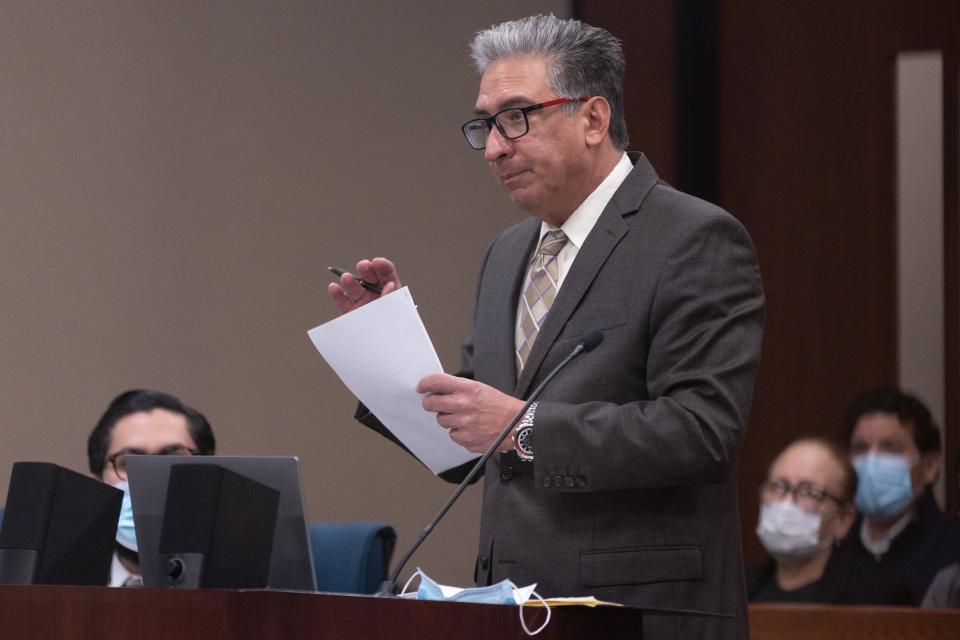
[{"x": 521, "y": 198}]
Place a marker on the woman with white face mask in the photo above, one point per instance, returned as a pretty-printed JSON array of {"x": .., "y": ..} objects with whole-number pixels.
[{"x": 806, "y": 510}]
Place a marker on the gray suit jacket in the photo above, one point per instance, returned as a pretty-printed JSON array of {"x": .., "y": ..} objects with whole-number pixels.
[{"x": 631, "y": 495}]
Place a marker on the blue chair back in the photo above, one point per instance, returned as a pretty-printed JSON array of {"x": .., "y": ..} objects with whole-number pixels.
[{"x": 352, "y": 557}]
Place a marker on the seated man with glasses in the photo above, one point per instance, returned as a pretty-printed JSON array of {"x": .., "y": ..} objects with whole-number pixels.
[
  {"x": 806, "y": 510},
  {"x": 139, "y": 422}
]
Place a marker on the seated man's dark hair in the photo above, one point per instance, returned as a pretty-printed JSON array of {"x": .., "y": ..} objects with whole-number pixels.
[
  {"x": 908, "y": 409},
  {"x": 144, "y": 400}
]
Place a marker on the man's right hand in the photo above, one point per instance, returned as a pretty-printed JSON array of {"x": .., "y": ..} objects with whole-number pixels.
[{"x": 348, "y": 294}]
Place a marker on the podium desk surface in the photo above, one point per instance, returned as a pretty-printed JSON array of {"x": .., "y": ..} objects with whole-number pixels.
[{"x": 95, "y": 613}]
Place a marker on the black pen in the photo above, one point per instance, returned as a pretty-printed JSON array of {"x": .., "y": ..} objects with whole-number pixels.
[{"x": 363, "y": 283}]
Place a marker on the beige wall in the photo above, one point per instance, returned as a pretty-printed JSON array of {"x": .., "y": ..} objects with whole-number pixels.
[
  {"x": 174, "y": 179},
  {"x": 921, "y": 298}
]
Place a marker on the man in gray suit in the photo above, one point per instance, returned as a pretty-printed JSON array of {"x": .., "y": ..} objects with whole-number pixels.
[{"x": 620, "y": 481}]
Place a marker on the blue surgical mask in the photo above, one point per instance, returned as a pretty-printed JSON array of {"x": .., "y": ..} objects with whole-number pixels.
[
  {"x": 884, "y": 490},
  {"x": 126, "y": 534},
  {"x": 503, "y": 592},
  {"x": 499, "y": 593}
]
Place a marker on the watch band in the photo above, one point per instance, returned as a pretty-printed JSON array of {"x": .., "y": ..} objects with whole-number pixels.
[{"x": 523, "y": 435}]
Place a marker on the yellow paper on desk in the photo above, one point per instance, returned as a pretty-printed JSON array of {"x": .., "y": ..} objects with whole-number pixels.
[{"x": 585, "y": 601}]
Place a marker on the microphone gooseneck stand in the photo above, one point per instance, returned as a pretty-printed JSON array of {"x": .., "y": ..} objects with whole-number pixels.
[{"x": 389, "y": 587}]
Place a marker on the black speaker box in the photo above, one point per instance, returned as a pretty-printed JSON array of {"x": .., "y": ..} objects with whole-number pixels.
[
  {"x": 217, "y": 528},
  {"x": 58, "y": 527}
]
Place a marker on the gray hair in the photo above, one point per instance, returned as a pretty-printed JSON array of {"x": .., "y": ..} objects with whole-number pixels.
[{"x": 582, "y": 60}]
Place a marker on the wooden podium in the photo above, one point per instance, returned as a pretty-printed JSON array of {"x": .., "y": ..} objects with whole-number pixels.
[{"x": 96, "y": 613}]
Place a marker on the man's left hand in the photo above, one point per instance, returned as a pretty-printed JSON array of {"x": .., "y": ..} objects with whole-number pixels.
[{"x": 473, "y": 412}]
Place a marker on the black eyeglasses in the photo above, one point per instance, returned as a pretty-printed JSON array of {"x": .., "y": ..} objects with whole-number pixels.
[
  {"x": 512, "y": 123},
  {"x": 807, "y": 495},
  {"x": 119, "y": 459}
]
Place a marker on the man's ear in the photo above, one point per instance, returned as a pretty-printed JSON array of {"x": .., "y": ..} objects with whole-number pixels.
[
  {"x": 930, "y": 467},
  {"x": 597, "y": 113}
]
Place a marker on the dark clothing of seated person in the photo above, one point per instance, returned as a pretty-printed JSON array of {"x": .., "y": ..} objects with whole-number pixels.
[
  {"x": 895, "y": 449},
  {"x": 847, "y": 579},
  {"x": 806, "y": 510}
]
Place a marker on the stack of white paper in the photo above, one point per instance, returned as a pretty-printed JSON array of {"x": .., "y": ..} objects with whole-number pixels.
[{"x": 381, "y": 351}]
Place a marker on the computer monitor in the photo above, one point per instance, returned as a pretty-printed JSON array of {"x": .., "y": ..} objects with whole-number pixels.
[
  {"x": 58, "y": 527},
  {"x": 291, "y": 563}
]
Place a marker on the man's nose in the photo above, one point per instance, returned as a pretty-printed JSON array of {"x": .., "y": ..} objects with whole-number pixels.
[{"x": 497, "y": 145}]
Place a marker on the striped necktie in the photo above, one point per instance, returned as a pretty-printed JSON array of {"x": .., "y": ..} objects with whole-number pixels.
[{"x": 539, "y": 293}]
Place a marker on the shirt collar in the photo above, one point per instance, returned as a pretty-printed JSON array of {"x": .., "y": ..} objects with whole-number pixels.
[
  {"x": 581, "y": 221},
  {"x": 120, "y": 576},
  {"x": 881, "y": 545}
]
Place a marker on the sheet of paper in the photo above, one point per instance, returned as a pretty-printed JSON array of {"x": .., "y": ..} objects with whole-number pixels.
[
  {"x": 582, "y": 601},
  {"x": 381, "y": 351}
]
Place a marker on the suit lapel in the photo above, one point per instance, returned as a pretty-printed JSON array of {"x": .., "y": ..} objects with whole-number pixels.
[{"x": 603, "y": 238}]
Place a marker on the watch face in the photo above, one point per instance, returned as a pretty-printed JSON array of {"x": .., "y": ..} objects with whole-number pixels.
[{"x": 524, "y": 444}]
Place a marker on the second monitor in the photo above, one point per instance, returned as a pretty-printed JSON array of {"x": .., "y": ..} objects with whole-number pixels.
[{"x": 291, "y": 563}]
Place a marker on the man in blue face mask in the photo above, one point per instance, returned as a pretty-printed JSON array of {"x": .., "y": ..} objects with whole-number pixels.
[
  {"x": 141, "y": 421},
  {"x": 895, "y": 449}
]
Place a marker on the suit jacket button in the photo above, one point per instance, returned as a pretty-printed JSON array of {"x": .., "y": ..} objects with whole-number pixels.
[
  {"x": 545, "y": 482},
  {"x": 506, "y": 472},
  {"x": 557, "y": 481},
  {"x": 484, "y": 563},
  {"x": 568, "y": 482}
]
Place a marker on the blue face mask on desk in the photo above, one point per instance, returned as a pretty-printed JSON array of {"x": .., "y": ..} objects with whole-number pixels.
[
  {"x": 503, "y": 592},
  {"x": 126, "y": 533}
]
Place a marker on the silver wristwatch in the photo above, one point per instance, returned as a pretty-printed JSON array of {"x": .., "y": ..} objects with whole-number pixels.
[{"x": 523, "y": 435}]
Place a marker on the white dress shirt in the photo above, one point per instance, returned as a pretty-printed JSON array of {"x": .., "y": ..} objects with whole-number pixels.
[
  {"x": 120, "y": 576},
  {"x": 581, "y": 222}
]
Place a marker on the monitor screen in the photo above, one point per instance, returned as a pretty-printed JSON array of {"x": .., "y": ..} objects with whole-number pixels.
[{"x": 291, "y": 562}]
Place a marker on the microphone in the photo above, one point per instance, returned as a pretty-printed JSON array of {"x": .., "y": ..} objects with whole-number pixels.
[{"x": 587, "y": 343}]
